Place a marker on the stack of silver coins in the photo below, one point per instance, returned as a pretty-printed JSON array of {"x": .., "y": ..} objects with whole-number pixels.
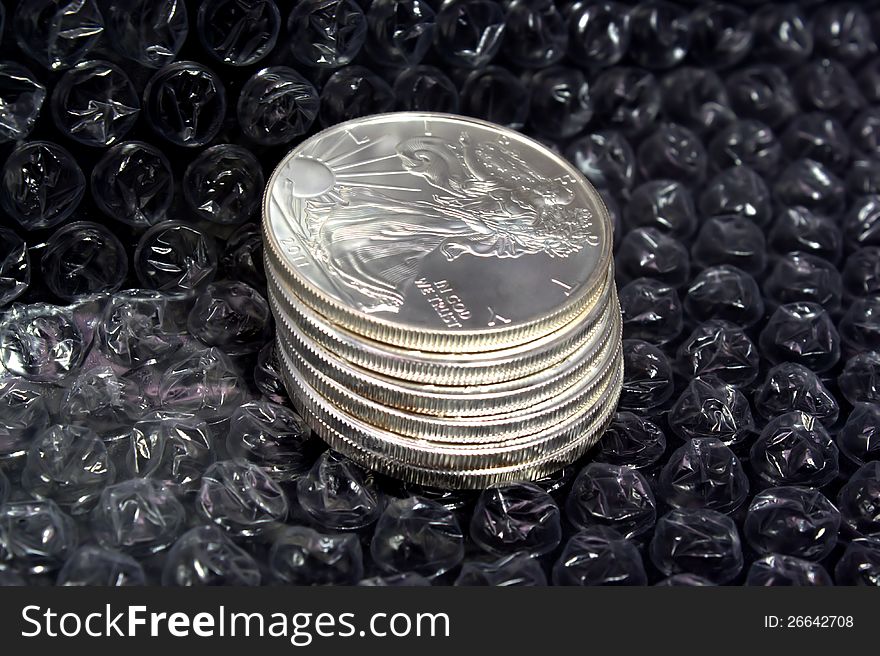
[{"x": 444, "y": 297}]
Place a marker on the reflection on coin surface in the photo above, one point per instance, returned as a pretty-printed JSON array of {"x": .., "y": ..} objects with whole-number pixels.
[{"x": 436, "y": 232}]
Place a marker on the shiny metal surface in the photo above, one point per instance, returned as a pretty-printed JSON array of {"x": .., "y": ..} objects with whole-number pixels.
[{"x": 436, "y": 232}]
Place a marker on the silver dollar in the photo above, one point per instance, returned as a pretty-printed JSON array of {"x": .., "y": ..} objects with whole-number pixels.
[{"x": 436, "y": 232}]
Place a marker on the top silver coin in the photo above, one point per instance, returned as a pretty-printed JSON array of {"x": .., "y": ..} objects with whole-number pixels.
[{"x": 436, "y": 232}]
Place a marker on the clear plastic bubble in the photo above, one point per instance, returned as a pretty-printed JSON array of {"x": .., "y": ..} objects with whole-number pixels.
[
  {"x": 631, "y": 441},
  {"x": 746, "y": 143},
  {"x": 720, "y": 348},
  {"x": 24, "y": 412},
  {"x": 858, "y": 501},
  {"x": 232, "y": 316},
  {"x": 205, "y": 556},
  {"x": 267, "y": 375},
  {"x": 273, "y": 437},
  {"x": 495, "y": 94},
  {"x": 149, "y": 32},
  {"x": 730, "y": 240},
  {"x": 138, "y": 516},
  {"x": 95, "y": 103},
  {"x": 794, "y": 449},
  {"x": 704, "y": 473},
  {"x": 21, "y": 99},
  {"x": 859, "y": 564},
  {"x": 859, "y": 381},
  {"x": 418, "y": 535},
  {"x": 243, "y": 257},
  {"x": 133, "y": 183},
  {"x": 790, "y": 386},
  {"x": 799, "y": 229},
  {"x": 697, "y": 99},
  {"x": 861, "y": 223},
  {"x": 863, "y": 176},
  {"x": 400, "y": 32},
  {"x": 303, "y": 556},
  {"x": 777, "y": 569},
  {"x": 42, "y": 185},
  {"x": 15, "y": 266},
  {"x": 174, "y": 448},
  {"x": 516, "y": 517},
  {"x": 650, "y": 253},
  {"x": 859, "y": 327},
  {"x": 339, "y": 495},
  {"x": 536, "y": 33},
  {"x": 721, "y": 34},
  {"x": 702, "y": 542},
  {"x": 425, "y": 89},
  {"x": 175, "y": 257},
  {"x": 864, "y": 131},
  {"x": 41, "y": 342},
  {"x": 666, "y": 205},
  {"x": 627, "y": 99},
  {"x": 205, "y": 382},
  {"x": 238, "y": 32},
  {"x": 737, "y": 191},
  {"x": 659, "y": 34},
  {"x": 673, "y": 152},
  {"x": 651, "y": 311},
  {"x": 276, "y": 105},
  {"x": 91, "y": 565},
  {"x": 241, "y": 498},
  {"x": 599, "y": 556},
  {"x": 598, "y": 33},
  {"x": 469, "y": 33},
  {"x": 352, "y": 92},
  {"x": 794, "y": 521},
  {"x": 727, "y": 293},
  {"x": 861, "y": 272},
  {"x": 648, "y": 379},
  {"x": 612, "y": 495},
  {"x": 820, "y": 137},
  {"x": 859, "y": 439},
  {"x": 35, "y": 536},
  {"x": 783, "y": 34},
  {"x": 56, "y": 33},
  {"x": 827, "y": 86},
  {"x": 139, "y": 327},
  {"x": 70, "y": 465},
  {"x": 803, "y": 277},
  {"x": 560, "y": 101},
  {"x": 843, "y": 31},
  {"x": 326, "y": 33},
  {"x": 762, "y": 92},
  {"x": 185, "y": 103},
  {"x": 517, "y": 569},
  {"x": 83, "y": 258},
  {"x": 710, "y": 408},
  {"x": 224, "y": 185},
  {"x": 606, "y": 159},
  {"x": 802, "y": 333}
]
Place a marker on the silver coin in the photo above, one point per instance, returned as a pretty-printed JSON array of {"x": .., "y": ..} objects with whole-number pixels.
[
  {"x": 484, "y": 429},
  {"x": 440, "y": 368},
  {"x": 488, "y": 471},
  {"x": 474, "y": 478},
  {"x": 436, "y": 232},
  {"x": 455, "y": 401},
  {"x": 435, "y": 455}
]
